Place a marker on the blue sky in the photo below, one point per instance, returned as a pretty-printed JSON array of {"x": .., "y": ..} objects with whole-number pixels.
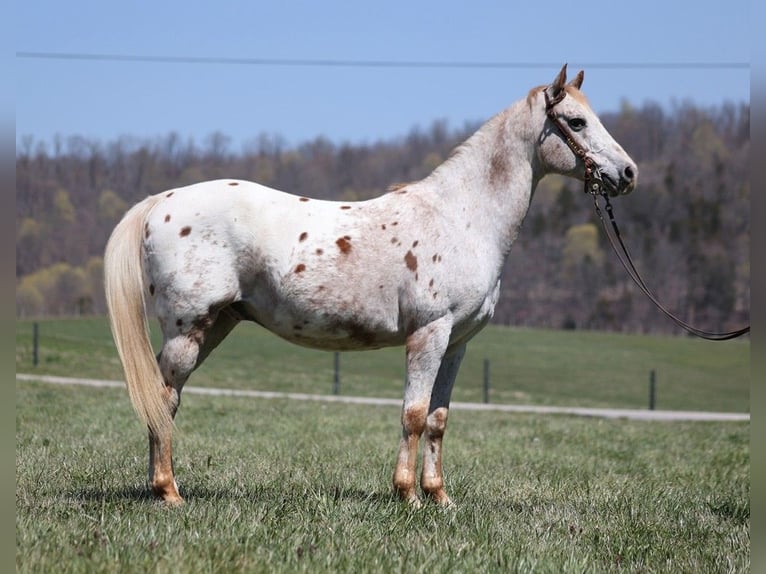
[{"x": 107, "y": 99}]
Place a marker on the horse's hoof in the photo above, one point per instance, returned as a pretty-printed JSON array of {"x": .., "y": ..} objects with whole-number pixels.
[
  {"x": 411, "y": 500},
  {"x": 168, "y": 492},
  {"x": 173, "y": 501},
  {"x": 440, "y": 497}
]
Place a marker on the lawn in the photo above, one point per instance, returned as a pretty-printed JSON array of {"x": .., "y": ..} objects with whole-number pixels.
[{"x": 288, "y": 486}]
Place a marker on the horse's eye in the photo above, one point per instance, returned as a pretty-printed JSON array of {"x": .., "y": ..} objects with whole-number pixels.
[{"x": 576, "y": 124}]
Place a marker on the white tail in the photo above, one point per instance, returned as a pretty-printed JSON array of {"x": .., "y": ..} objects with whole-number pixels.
[{"x": 125, "y": 299}]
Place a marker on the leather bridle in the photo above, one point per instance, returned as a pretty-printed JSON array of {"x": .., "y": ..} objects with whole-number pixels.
[{"x": 594, "y": 185}]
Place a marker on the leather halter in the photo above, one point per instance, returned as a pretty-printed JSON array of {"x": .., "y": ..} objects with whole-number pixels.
[{"x": 594, "y": 185}]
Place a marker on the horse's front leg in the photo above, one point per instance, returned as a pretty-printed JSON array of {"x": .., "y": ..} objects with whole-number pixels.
[
  {"x": 425, "y": 349},
  {"x": 432, "y": 478}
]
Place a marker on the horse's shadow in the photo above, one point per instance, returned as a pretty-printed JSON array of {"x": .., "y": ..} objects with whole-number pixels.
[{"x": 202, "y": 493}]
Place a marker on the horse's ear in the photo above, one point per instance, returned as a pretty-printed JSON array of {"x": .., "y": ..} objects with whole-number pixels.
[
  {"x": 577, "y": 82},
  {"x": 554, "y": 90}
]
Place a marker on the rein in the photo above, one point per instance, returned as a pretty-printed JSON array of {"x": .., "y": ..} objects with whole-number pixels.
[{"x": 594, "y": 185}]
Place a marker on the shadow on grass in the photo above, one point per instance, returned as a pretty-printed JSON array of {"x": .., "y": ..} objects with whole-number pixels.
[
  {"x": 254, "y": 493},
  {"x": 117, "y": 494},
  {"x": 285, "y": 491}
]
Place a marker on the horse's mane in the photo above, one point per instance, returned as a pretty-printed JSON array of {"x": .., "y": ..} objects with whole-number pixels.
[{"x": 532, "y": 93}]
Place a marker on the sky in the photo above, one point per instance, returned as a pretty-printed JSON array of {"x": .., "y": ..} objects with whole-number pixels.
[{"x": 664, "y": 52}]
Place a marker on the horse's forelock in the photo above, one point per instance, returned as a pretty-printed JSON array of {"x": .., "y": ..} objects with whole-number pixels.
[{"x": 577, "y": 95}]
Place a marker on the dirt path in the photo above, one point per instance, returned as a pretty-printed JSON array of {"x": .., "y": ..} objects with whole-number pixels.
[{"x": 634, "y": 414}]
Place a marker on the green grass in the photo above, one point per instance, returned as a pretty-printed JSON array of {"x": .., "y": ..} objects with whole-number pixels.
[
  {"x": 287, "y": 486},
  {"x": 283, "y": 486},
  {"x": 568, "y": 368}
]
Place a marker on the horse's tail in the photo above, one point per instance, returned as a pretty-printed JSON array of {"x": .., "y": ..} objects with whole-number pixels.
[{"x": 126, "y": 304}]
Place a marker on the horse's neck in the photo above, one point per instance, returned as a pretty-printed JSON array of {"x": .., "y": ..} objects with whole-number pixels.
[{"x": 491, "y": 177}]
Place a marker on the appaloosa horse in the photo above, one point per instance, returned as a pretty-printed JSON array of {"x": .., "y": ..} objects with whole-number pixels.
[{"x": 419, "y": 266}]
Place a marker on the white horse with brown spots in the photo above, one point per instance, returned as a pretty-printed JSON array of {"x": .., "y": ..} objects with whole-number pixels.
[{"x": 419, "y": 266}]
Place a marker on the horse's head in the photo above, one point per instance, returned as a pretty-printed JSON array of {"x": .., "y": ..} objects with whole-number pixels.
[{"x": 574, "y": 142}]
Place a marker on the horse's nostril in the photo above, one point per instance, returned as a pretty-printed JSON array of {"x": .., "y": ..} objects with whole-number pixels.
[{"x": 629, "y": 173}]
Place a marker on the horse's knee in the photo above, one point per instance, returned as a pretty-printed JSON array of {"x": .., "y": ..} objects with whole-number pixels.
[{"x": 414, "y": 419}]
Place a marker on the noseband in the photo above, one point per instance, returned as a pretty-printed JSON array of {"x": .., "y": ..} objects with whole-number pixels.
[
  {"x": 594, "y": 185},
  {"x": 593, "y": 182}
]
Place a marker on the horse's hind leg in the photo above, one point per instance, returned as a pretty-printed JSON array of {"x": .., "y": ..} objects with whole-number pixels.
[
  {"x": 180, "y": 355},
  {"x": 431, "y": 478}
]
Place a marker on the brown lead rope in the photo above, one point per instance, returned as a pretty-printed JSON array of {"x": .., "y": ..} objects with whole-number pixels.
[
  {"x": 627, "y": 263},
  {"x": 595, "y": 186}
]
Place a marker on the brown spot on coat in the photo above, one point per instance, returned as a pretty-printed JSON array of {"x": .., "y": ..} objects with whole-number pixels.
[
  {"x": 233, "y": 183},
  {"x": 170, "y": 194},
  {"x": 319, "y": 251},
  {"x": 300, "y": 268},
  {"x": 383, "y": 227},
  {"x": 411, "y": 261},
  {"x": 431, "y": 283},
  {"x": 499, "y": 163},
  {"x": 185, "y": 231},
  {"x": 498, "y": 167},
  {"x": 344, "y": 244},
  {"x": 345, "y": 207},
  {"x": 167, "y": 218},
  {"x": 303, "y": 236},
  {"x": 415, "y": 244},
  {"x": 303, "y": 199}
]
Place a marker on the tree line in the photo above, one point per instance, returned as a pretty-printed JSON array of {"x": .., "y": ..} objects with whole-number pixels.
[{"x": 687, "y": 225}]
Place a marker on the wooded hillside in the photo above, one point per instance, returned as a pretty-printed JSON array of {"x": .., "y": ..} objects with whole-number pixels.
[{"x": 687, "y": 225}]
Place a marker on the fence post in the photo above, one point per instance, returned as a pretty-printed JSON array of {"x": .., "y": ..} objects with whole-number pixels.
[
  {"x": 336, "y": 374},
  {"x": 652, "y": 389},
  {"x": 35, "y": 344},
  {"x": 486, "y": 380}
]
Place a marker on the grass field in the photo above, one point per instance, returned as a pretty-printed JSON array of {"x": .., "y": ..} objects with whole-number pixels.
[{"x": 286, "y": 486}]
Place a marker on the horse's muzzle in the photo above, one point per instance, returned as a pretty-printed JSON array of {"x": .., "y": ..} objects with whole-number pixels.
[{"x": 623, "y": 184}]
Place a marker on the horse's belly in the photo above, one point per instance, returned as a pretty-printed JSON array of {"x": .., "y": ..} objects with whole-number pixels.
[{"x": 326, "y": 329}]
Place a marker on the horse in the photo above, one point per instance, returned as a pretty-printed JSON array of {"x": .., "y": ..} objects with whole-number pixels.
[{"x": 418, "y": 266}]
